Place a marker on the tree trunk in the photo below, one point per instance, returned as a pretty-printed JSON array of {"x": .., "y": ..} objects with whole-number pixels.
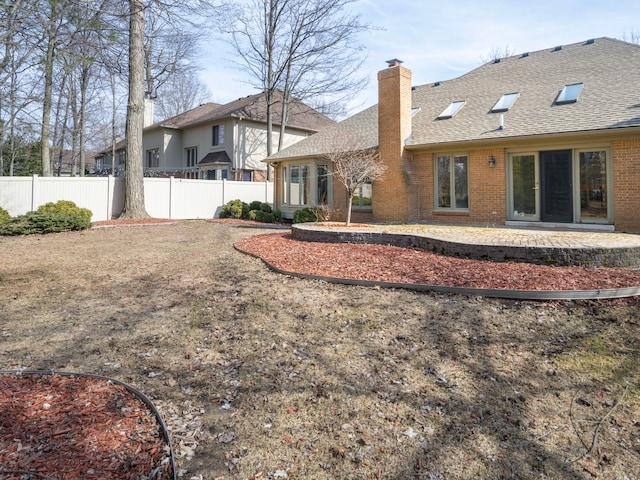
[
  {"x": 349, "y": 205},
  {"x": 48, "y": 99},
  {"x": 134, "y": 174},
  {"x": 84, "y": 85}
]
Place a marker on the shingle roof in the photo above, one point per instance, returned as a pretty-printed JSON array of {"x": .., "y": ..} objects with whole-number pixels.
[
  {"x": 610, "y": 99},
  {"x": 252, "y": 107},
  {"x": 215, "y": 157},
  {"x": 363, "y": 126},
  {"x": 609, "y": 70}
]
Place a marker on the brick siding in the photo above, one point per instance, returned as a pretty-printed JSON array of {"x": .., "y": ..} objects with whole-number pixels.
[{"x": 626, "y": 183}]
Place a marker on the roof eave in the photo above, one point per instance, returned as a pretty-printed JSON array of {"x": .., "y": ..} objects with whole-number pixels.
[{"x": 604, "y": 132}]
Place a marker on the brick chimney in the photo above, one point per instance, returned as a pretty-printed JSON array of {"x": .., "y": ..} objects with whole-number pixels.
[{"x": 390, "y": 198}]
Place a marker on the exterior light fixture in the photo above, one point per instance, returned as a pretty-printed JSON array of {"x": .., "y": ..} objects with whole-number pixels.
[{"x": 492, "y": 161}]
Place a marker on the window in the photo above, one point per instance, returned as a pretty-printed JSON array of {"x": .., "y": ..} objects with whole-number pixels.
[
  {"x": 192, "y": 159},
  {"x": 452, "y": 182},
  {"x": 153, "y": 158},
  {"x": 505, "y": 102},
  {"x": 322, "y": 173},
  {"x": 285, "y": 186},
  {"x": 305, "y": 184},
  {"x": 192, "y": 156},
  {"x": 217, "y": 135},
  {"x": 451, "y": 110},
  {"x": 569, "y": 93},
  {"x": 362, "y": 197},
  {"x": 299, "y": 184}
]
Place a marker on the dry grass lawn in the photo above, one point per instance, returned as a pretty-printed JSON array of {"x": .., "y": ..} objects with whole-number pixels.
[{"x": 264, "y": 376}]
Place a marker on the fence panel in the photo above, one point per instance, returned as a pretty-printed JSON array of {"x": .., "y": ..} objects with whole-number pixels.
[
  {"x": 195, "y": 198},
  {"x": 157, "y": 200},
  {"x": 104, "y": 196},
  {"x": 16, "y": 194},
  {"x": 89, "y": 192}
]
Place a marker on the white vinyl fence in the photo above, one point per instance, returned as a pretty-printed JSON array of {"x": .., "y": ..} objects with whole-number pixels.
[{"x": 175, "y": 198}]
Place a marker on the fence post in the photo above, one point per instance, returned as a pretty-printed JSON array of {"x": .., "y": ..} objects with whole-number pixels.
[
  {"x": 110, "y": 192},
  {"x": 171, "y": 179},
  {"x": 34, "y": 192},
  {"x": 224, "y": 193}
]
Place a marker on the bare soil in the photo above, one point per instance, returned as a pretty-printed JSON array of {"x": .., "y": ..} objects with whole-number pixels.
[{"x": 260, "y": 375}]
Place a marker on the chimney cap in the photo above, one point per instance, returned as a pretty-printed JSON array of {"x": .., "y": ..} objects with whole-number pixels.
[{"x": 394, "y": 62}]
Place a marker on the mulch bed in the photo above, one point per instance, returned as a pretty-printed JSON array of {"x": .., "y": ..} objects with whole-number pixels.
[
  {"x": 63, "y": 427},
  {"x": 386, "y": 263}
]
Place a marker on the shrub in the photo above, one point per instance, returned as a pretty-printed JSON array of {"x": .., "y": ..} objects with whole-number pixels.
[
  {"x": 235, "y": 209},
  {"x": 305, "y": 215},
  {"x": 65, "y": 207},
  {"x": 255, "y": 205},
  {"x": 44, "y": 222},
  {"x": 4, "y": 215}
]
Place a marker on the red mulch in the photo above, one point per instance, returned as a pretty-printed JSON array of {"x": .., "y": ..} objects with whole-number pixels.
[
  {"x": 63, "y": 427},
  {"x": 404, "y": 265}
]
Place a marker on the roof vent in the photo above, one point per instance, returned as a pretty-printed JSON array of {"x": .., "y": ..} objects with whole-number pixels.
[
  {"x": 496, "y": 60},
  {"x": 436, "y": 84},
  {"x": 524, "y": 55},
  {"x": 558, "y": 48},
  {"x": 590, "y": 41}
]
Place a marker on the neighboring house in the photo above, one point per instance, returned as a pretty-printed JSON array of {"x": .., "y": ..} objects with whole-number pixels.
[
  {"x": 104, "y": 164},
  {"x": 547, "y": 138},
  {"x": 218, "y": 142},
  {"x": 67, "y": 163}
]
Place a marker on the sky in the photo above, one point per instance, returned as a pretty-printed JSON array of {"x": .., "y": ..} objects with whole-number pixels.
[{"x": 441, "y": 40}]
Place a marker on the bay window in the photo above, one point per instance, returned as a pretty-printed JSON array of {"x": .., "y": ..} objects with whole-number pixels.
[{"x": 305, "y": 184}]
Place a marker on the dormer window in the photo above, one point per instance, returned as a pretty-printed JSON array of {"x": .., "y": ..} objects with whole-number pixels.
[
  {"x": 505, "y": 102},
  {"x": 569, "y": 93},
  {"x": 451, "y": 110}
]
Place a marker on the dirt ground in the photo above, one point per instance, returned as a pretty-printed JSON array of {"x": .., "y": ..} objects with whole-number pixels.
[{"x": 259, "y": 375}]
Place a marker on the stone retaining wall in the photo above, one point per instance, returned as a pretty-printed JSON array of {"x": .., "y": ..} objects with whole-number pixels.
[{"x": 592, "y": 257}]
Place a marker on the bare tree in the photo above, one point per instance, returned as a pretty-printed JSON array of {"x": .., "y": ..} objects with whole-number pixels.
[
  {"x": 632, "y": 37},
  {"x": 354, "y": 166},
  {"x": 182, "y": 92},
  {"x": 134, "y": 206},
  {"x": 306, "y": 48},
  {"x": 496, "y": 53},
  {"x": 53, "y": 25}
]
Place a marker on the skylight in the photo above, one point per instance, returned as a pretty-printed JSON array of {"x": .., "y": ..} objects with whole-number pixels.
[
  {"x": 505, "y": 102},
  {"x": 451, "y": 110},
  {"x": 569, "y": 93}
]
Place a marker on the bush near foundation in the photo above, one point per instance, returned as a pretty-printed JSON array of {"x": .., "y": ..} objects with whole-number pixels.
[
  {"x": 62, "y": 216},
  {"x": 256, "y": 210}
]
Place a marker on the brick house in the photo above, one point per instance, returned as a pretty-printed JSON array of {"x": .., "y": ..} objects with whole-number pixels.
[{"x": 547, "y": 138}]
